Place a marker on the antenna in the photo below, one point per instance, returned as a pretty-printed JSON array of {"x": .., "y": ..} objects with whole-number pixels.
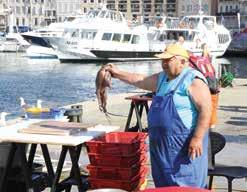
[{"x": 200, "y": 8}]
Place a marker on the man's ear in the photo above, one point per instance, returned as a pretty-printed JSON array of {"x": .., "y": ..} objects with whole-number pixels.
[{"x": 183, "y": 61}]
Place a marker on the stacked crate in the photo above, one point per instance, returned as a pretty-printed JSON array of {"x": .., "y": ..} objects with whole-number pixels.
[{"x": 117, "y": 160}]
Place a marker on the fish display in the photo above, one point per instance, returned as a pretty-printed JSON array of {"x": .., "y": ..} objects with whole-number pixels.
[{"x": 102, "y": 82}]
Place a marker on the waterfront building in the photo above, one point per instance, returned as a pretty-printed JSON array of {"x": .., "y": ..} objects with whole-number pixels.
[
  {"x": 67, "y": 8},
  {"x": 3, "y": 17},
  {"x": 87, "y": 5},
  {"x": 192, "y": 7},
  {"x": 144, "y": 10},
  {"x": 33, "y": 13},
  {"x": 228, "y": 11}
]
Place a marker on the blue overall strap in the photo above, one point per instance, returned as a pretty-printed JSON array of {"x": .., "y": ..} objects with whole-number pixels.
[
  {"x": 177, "y": 85},
  {"x": 181, "y": 80}
]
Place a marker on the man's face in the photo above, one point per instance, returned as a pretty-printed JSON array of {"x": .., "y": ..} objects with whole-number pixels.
[{"x": 171, "y": 66}]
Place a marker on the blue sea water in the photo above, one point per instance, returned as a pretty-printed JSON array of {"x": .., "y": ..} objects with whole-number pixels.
[{"x": 59, "y": 84}]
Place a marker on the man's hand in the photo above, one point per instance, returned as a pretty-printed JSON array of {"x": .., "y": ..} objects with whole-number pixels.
[
  {"x": 112, "y": 69},
  {"x": 195, "y": 147}
]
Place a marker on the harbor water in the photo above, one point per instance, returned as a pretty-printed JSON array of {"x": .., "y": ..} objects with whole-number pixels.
[{"x": 59, "y": 84}]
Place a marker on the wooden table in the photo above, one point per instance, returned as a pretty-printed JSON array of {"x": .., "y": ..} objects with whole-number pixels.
[
  {"x": 138, "y": 102},
  {"x": 70, "y": 143}
]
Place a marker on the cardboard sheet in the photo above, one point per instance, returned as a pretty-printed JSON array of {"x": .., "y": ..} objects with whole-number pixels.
[{"x": 56, "y": 128}]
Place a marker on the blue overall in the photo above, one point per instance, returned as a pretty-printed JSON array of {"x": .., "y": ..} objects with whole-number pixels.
[{"x": 169, "y": 140}]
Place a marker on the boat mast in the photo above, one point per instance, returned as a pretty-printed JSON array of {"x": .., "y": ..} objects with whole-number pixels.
[{"x": 200, "y": 8}]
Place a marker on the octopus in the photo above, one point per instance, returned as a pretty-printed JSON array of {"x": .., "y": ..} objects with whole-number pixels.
[{"x": 102, "y": 82}]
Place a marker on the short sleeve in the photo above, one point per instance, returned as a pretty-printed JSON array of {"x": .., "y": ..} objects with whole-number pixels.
[{"x": 189, "y": 79}]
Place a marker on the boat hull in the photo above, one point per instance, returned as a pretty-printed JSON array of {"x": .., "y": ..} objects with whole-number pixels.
[
  {"x": 100, "y": 55},
  {"x": 40, "y": 52}
]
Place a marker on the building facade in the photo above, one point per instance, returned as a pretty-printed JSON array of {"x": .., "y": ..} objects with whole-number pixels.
[
  {"x": 66, "y": 8},
  {"x": 144, "y": 10},
  {"x": 228, "y": 11},
  {"x": 193, "y": 7},
  {"x": 33, "y": 13},
  {"x": 87, "y": 5}
]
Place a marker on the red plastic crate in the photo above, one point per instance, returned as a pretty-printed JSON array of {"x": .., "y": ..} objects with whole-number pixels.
[
  {"x": 128, "y": 185},
  {"x": 116, "y": 173},
  {"x": 117, "y": 160},
  {"x": 117, "y": 143}
]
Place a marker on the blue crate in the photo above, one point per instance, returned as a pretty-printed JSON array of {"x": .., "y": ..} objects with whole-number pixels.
[{"x": 57, "y": 113}]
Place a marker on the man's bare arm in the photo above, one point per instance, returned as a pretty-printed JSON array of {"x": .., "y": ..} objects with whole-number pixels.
[
  {"x": 201, "y": 97},
  {"x": 139, "y": 80}
]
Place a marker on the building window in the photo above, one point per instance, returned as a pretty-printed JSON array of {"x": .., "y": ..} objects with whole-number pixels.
[
  {"x": 116, "y": 37},
  {"x": 221, "y": 9},
  {"x": 106, "y": 36},
  {"x": 126, "y": 38},
  {"x": 36, "y": 21},
  {"x": 18, "y": 10},
  {"x": 23, "y": 10},
  {"x": 23, "y": 21},
  {"x": 135, "y": 39},
  {"x": 227, "y": 8}
]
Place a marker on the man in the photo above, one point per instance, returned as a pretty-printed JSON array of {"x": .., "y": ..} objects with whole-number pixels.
[{"x": 178, "y": 119}]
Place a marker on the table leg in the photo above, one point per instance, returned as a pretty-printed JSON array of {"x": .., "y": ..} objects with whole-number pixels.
[
  {"x": 48, "y": 163},
  {"x": 10, "y": 158},
  {"x": 138, "y": 117},
  {"x": 78, "y": 152},
  {"x": 31, "y": 155},
  {"x": 24, "y": 165},
  {"x": 146, "y": 107},
  {"x": 132, "y": 106},
  {"x": 59, "y": 168},
  {"x": 75, "y": 168}
]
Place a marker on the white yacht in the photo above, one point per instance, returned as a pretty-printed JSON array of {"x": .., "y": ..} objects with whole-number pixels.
[
  {"x": 8, "y": 45},
  {"x": 13, "y": 36},
  {"x": 40, "y": 48},
  {"x": 114, "y": 39},
  {"x": 196, "y": 30},
  {"x": 105, "y": 37}
]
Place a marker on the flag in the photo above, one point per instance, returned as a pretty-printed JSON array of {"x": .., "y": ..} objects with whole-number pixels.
[{"x": 222, "y": 20}]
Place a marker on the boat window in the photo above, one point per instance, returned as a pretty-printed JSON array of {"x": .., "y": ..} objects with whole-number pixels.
[
  {"x": 119, "y": 17},
  {"x": 88, "y": 35},
  {"x": 208, "y": 22},
  {"x": 190, "y": 22},
  {"x": 116, "y": 37},
  {"x": 151, "y": 36},
  {"x": 75, "y": 33},
  {"x": 102, "y": 14},
  {"x": 162, "y": 37},
  {"x": 170, "y": 35},
  {"x": 135, "y": 39},
  {"x": 223, "y": 38},
  {"x": 108, "y": 14},
  {"x": 126, "y": 38},
  {"x": 94, "y": 34},
  {"x": 107, "y": 36}
]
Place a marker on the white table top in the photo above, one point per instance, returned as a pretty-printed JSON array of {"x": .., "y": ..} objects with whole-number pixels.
[{"x": 10, "y": 134}]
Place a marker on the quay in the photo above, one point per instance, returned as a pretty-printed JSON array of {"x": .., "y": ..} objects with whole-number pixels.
[{"x": 232, "y": 123}]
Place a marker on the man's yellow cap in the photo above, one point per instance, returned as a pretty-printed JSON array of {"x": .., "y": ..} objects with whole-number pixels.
[{"x": 173, "y": 50}]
